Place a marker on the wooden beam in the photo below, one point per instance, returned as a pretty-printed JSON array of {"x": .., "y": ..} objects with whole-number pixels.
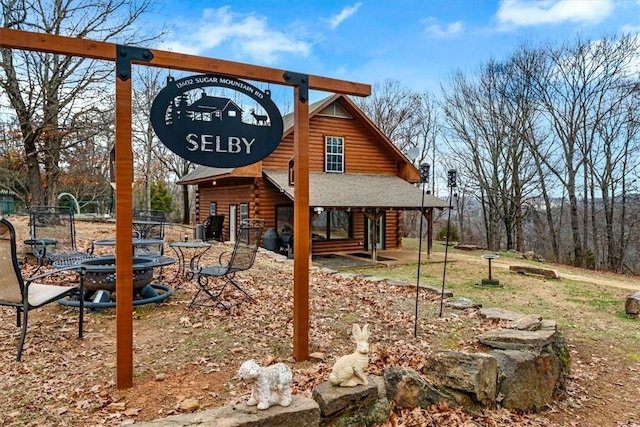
[
  {"x": 16, "y": 39},
  {"x": 63, "y": 45},
  {"x": 124, "y": 235},
  {"x": 301, "y": 232}
]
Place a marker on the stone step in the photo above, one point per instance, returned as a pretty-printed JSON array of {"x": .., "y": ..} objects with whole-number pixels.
[{"x": 302, "y": 412}]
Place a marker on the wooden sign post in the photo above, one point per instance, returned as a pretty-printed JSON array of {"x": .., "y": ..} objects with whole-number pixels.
[{"x": 125, "y": 56}]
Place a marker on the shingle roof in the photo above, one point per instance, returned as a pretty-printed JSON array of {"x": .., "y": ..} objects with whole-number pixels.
[{"x": 337, "y": 190}]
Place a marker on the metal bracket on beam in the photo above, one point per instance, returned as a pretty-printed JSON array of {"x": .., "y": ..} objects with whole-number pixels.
[
  {"x": 126, "y": 54},
  {"x": 302, "y": 81}
]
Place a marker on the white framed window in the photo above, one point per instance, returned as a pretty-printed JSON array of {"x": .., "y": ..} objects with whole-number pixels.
[
  {"x": 244, "y": 211},
  {"x": 334, "y": 154}
]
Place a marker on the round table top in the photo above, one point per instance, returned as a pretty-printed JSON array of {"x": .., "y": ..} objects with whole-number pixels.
[
  {"x": 135, "y": 242},
  {"x": 190, "y": 244}
]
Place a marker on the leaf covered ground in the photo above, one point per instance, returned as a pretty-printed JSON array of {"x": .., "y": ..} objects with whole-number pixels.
[{"x": 190, "y": 355}]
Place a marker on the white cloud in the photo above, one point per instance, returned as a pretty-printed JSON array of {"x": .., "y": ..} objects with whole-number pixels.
[
  {"x": 630, "y": 29},
  {"x": 336, "y": 20},
  {"x": 448, "y": 31},
  {"x": 249, "y": 35},
  {"x": 540, "y": 12}
]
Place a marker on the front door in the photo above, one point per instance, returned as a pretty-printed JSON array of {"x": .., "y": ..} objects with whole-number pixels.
[
  {"x": 233, "y": 221},
  {"x": 379, "y": 233}
]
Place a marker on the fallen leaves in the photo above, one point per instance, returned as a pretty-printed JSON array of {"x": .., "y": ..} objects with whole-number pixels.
[{"x": 185, "y": 358}]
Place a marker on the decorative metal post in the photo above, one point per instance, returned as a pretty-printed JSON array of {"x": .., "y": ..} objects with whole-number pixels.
[
  {"x": 451, "y": 182},
  {"x": 424, "y": 179}
]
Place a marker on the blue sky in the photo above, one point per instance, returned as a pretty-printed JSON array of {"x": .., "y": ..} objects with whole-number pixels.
[{"x": 418, "y": 42}]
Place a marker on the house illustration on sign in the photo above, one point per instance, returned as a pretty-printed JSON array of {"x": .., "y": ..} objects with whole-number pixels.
[{"x": 207, "y": 109}]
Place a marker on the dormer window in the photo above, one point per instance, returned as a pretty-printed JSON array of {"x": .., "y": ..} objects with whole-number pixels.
[{"x": 334, "y": 154}]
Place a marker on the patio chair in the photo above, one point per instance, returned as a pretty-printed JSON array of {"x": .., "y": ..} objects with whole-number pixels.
[
  {"x": 213, "y": 227},
  {"x": 53, "y": 235},
  {"x": 217, "y": 286},
  {"x": 148, "y": 224},
  {"x": 26, "y": 295}
]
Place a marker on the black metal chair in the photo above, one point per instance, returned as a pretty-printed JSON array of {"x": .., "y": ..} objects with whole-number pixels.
[
  {"x": 213, "y": 227},
  {"x": 53, "y": 235},
  {"x": 217, "y": 284},
  {"x": 148, "y": 224},
  {"x": 25, "y": 295}
]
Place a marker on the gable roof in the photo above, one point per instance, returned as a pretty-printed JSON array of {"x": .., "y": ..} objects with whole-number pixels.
[
  {"x": 204, "y": 173},
  {"x": 356, "y": 112},
  {"x": 338, "y": 190}
]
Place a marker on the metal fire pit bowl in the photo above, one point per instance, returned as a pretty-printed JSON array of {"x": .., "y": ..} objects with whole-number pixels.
[{"x": 101, "y": 273}]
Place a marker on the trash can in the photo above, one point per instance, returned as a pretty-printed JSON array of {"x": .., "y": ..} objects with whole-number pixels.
[
  {"x": 271, "y": 240},
  {"x": 199, "y": 232}
]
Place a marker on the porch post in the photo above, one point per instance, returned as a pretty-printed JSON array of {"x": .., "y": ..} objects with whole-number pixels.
[
  {"x": 124, "y": 234},
  {"x": 301, "y": 217}
]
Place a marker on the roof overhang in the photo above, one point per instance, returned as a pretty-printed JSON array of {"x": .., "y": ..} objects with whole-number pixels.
[
  {"x": 338, "y": 190},
  {"x": 203, "y": 174}
]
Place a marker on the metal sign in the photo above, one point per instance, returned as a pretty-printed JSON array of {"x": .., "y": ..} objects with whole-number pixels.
[{"x": 215, "y": 130}]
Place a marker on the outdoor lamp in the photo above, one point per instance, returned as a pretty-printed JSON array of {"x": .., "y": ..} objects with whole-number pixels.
[
  {"x": 424, "y": 172},
  {"x": 451, "y": 178}
]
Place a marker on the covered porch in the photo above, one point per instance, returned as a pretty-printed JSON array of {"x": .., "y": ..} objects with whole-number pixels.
[{"x": 336, "y": 198}]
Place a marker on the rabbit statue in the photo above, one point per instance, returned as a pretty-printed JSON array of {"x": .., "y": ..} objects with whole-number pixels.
[{"x": 348, "y": 370}]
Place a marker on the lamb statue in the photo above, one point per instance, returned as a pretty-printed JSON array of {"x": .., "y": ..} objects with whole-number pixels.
[
  {"x": 348, "y": 370},
  {"x": 269, "y": 386}
]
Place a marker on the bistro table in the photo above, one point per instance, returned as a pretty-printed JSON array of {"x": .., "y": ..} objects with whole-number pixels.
[
  {"x": 197, "y": 249},
  {"x": 138, "y": 244}
]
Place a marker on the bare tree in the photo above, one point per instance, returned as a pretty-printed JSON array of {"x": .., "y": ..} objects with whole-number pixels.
[
  {"x": 578, "y": 79},
  {"x": 396, "y": 110},
  {"x": 486, "y": 119},
  {"x": 50, "y": 93}
]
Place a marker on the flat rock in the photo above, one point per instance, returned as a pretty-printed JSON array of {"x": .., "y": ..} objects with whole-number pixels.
[
  {"x": 462, "y": 303},
  {"x": 513, "y": 339},
  {"x": 526, "y": 269},
  {"x": 529, "y": 322},
  {"x": 302, "y": 412},
  {"x": 548, "y": 324},
  {"x": 333, "y": 399},
  {"x": 499, "y": 314}
]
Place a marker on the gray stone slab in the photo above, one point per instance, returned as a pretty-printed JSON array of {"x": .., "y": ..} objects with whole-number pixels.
[
  {"x": 462, "y": 303},
  {"x": 333, "y": 399},
  {"x": 302, "y": 412},
  {"x": 529, "y": 322},
  {"x": 513, "y": 339}
]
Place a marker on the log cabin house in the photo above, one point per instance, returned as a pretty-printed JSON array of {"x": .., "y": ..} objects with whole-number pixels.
[{"x": 358, "y": 178}]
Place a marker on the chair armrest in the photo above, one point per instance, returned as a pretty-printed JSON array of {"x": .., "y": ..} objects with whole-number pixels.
[
  {"x": 39, "y": 247},
  {"x": 222, "y": 255},
  {"x": 51, "y": 273}
]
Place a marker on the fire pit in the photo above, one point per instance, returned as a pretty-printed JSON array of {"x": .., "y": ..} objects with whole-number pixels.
[
  {"x": 100, "y": 283},
  {"x": 101, "y": 273}
]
